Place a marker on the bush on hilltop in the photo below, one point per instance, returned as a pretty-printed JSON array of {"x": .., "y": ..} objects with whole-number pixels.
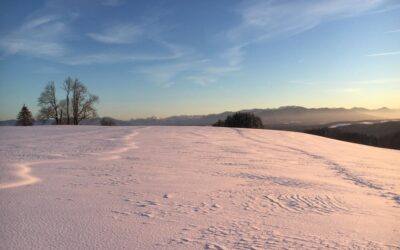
[{"x": 240, "y": 120}]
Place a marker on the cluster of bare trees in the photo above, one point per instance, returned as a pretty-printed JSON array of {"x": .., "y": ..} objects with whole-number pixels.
[{"x": 77, "y": 105}]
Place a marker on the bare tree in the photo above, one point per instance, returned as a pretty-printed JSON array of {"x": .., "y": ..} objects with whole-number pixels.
[
  {"x": 67, "y": 86},
  {"x": 78, "y": 101},
  {"x": 82, "y": 102},
  {"x": 48, "y": 103},
  {"x": 62, "y": 106}
]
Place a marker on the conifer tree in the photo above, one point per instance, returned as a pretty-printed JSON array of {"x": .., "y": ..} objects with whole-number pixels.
[{"x": 24, "y": 117}]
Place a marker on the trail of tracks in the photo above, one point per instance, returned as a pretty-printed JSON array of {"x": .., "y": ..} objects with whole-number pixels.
[{"x": 339, "y": 169}]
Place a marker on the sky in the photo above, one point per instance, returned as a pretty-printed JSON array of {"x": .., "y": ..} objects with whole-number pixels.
[{"x": 163, "y": 58}]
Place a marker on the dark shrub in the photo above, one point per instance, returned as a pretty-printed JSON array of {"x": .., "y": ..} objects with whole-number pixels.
[
  {"x": 219, "y": 123},
  {"x": 107, "y": 121},
  {"x": 240, "y": 120}
]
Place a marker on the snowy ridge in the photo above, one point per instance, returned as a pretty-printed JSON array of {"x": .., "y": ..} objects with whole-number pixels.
[
  {"x": 23, "y": 172},
  {"x": 116, "y": 153}
]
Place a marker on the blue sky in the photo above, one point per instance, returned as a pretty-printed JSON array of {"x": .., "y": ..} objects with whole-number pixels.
[{"x": 161, "y": 58}]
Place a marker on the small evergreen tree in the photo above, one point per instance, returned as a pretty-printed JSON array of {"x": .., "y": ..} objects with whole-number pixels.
[{"x": 24, "y": 117}]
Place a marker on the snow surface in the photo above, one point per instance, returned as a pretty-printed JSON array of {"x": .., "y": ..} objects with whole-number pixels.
[{"x": 81, "y": 187}]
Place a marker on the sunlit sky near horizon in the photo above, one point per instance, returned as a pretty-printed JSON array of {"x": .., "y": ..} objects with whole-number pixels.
[{"x": 162, "y": 58}]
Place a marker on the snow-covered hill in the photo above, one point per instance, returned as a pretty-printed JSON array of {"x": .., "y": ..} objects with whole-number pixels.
[{"x": 86, "y": 187}]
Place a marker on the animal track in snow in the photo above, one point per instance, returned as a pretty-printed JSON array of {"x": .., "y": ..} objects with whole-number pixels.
[{"x": 146, "y": 203}]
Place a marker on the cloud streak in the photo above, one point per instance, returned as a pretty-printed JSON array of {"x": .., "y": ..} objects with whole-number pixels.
[
  {"x": 38, "y": 37},
  {"x": 112, "y": 3},
  {"x": 390, "y": 53},
  {"x": 111, "y": 58},
  {"x": 47, "y": 33},
  {"x": 392, "y": 31},
  {"x": 263, "y": 20},
  {"x": 377, "y": 81},
  {"x": 119, "y": 34}
]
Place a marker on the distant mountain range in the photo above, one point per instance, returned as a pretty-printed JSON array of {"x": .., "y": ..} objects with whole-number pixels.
[{"x": 288, "y": 116}]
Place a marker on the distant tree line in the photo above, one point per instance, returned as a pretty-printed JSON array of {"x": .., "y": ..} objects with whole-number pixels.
[
  {"x": 387, "y": 141},
  {"x": 240, "y": 120},
  {"x": 77, "y": 105}
]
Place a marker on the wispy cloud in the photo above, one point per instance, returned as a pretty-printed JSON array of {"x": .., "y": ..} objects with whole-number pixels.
[
  {"x": 392, "y": 5},
  {"x": 46, "y": 34},
  {"x": 39, "y": 21},
  {"x": 38, "y": 36},
  {"x": 202, "y": 79},
  {"x": 359, "y": 83},
  {"x": 119, "y": 34},
  {"x": 390, "y": 53},
  {"x": 149, "y": 26},
  {"x": 168, "y": 74},
  {"x": 231, "y": 60},
  {"x": 110, "y": 58},
  {"x": 392, "y": 31},
  {"x": 164, "y": 74},
  {"x": 261, "y": 21},
  {"x": 168, "y": 52},
  {"x": 377, "y": 81},
  {"x": 234, "y": 56},
  {"x": 228, "y": 62},
  {"x": 112, "y": 3},
  {"x": 267, "y": 19},
  {"x": 302, "y": 82},
  {"x": 344, "y": 90}
]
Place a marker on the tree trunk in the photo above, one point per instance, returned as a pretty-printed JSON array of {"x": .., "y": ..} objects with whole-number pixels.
[{"x": 68, "y": 109}]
